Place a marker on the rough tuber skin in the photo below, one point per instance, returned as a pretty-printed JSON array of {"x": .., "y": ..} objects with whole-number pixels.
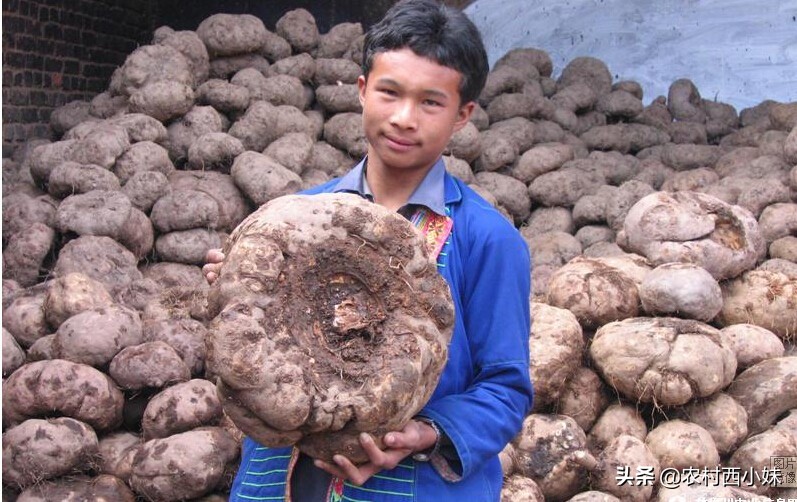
[
  {"x": 38, "y": 449},
  {"x": 693, "y": 227},
  {"x": 184, "y": 465},
  {"x": 667, "y": 361},
  {"x": 622, "y": 452},
  {"x": 544, "y": 451},
  {"x": 330, "y": 320},
  {"x": 555, "y": 342},
  {"x": 44, "y": 388},
  {"x": 766, "y": 390},
  {"x": 102, "y": 487}
]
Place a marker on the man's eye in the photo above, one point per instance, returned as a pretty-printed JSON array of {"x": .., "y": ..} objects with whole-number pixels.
[
  {"x": 431, "y": 102},
  {"x": 389, "y": 92}
]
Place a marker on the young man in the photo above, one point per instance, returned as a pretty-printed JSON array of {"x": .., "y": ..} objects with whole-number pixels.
[{"x": 423, "y": 67}]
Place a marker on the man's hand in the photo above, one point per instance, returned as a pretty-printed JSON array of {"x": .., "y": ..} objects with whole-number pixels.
[
  {"x": 212, "y": 266},
  {"x": 415, "y": 436}
]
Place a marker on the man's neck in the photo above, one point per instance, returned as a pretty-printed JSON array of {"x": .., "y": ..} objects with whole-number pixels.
[{"x": 392, "y": 188}]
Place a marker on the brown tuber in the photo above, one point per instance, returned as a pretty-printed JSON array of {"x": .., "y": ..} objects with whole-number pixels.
[
  {"x": 69, "y": 389},
  {"x": 556, "y": 340},
  {"x": 667, "y": 361},
  {"x": 37, "y": 450},
  {"x": 369, "y": 320},
  {"x": 693, "y": 227},
  {"x": 544, "y": 450}
]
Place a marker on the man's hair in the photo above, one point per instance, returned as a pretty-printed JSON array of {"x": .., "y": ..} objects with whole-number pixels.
[{"x": 432, "y": 30}]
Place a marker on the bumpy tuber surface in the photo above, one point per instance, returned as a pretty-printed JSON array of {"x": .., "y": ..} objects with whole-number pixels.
[{"x": 330, "y": 320}]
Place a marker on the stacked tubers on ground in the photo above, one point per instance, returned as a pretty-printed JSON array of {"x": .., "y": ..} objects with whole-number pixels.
[{"x": 664, "y": 242}]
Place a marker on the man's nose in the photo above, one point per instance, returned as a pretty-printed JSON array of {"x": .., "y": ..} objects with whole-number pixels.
[{"x": 405, "y": 115}]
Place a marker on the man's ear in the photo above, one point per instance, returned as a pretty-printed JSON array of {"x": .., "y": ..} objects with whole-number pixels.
[
  {"x": 464, "y": 114},
  {"x": 361, "y": 82}
]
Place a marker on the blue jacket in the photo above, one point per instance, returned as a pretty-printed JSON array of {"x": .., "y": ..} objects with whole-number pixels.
[{"x": 484, "y": 392}]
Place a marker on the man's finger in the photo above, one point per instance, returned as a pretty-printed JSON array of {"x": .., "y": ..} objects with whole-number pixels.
[
  {"x": 408, "y": 438},
  {"x": 351, "y": 472},
  {"x": 375, "y": 454},
  {"x": 330, "y": 468},
  {"x": 214, "y": 256},
  {"x": 395, "y": 440},
  {"x": 344, "y": 469},
  {"x": 211, "y": 272}
]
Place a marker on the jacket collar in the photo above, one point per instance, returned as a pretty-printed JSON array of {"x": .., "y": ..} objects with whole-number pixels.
[{"x": 435, "y": 191}]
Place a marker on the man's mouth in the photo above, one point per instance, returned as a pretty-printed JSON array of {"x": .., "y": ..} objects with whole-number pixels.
[{"x": 399, "y": 143}]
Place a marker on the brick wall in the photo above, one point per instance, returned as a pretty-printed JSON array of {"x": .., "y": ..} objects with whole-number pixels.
[{"x": 58, "y": 51}]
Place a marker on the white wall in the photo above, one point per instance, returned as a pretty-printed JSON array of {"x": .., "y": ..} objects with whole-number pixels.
[{"x": 739, "y": 52}]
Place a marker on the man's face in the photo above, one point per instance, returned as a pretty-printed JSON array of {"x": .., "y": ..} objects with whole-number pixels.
[{"x": 411, "y": 107}]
